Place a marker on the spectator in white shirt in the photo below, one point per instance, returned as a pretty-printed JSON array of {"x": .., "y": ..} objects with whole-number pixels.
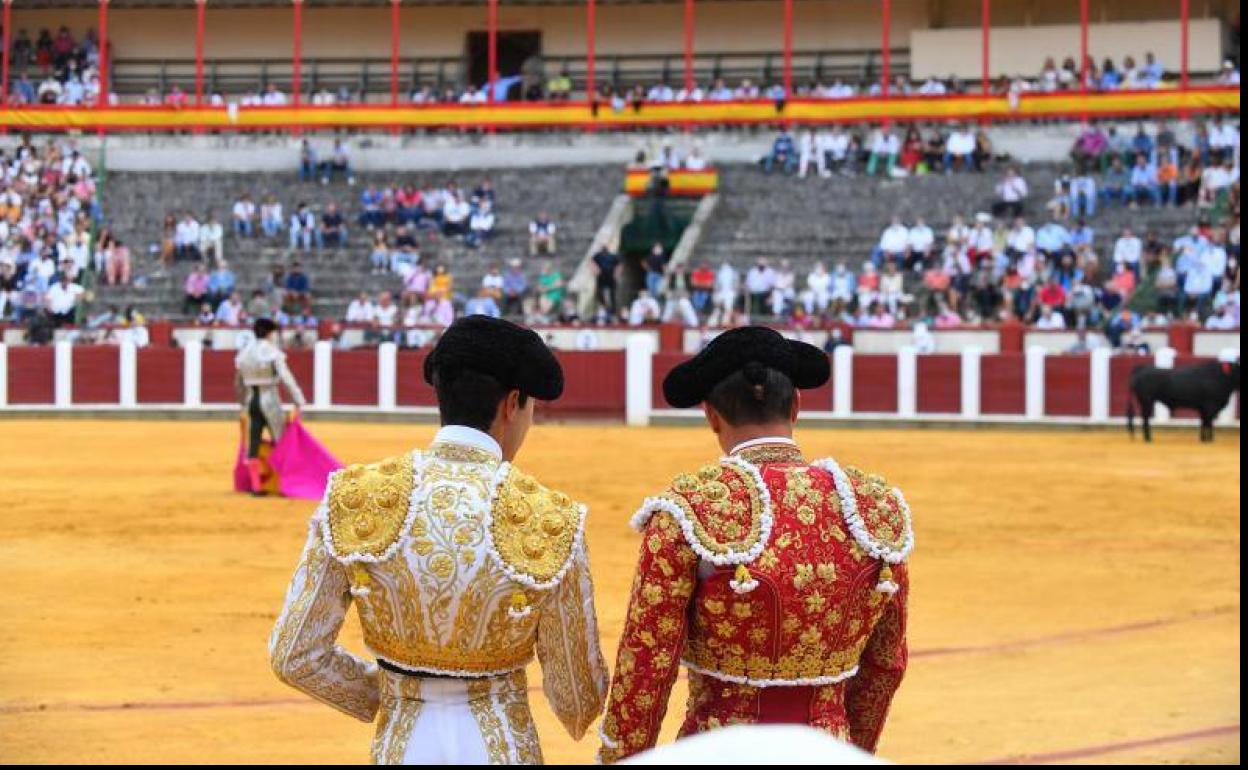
[
  {"x": 1127, "y": 251},
  {"x": 361, "y": 310},
  {"x": 885, "y": 147},
  {"x": 1020, "y": 240},
  {"x": 680, "y": 307},
  {"x": 818, "y": 294},
  {"x": 542, "y": 236},
  {"x": 1144, "y": 182},
  {"x": 212, "y": 239},
  {"x": 919, "y": 243},
  {"x": 695, "y": 160},
  {"x": 727, "y": 286},
  {"x": 833, "y": 147},
  {"x": 1229, "y": 76},
  {"x": 891, "y": 287},
  {"x": 244, "y": 215},
  {"x": 271, "y": 216},
  {"x": 759, "y": 283},
  {"x": 230, "y": 312},
  {"x": 644, "y": 310},
  {"x": 893, "y": 242},
  {"x": 1049, "y": 320},
  {"x": 1011, "y": 195},
  {"x": 302, "y": 227},
  {"x": 784, "y": 290},
  {"x": 808, "y": 152},
  {"x": 62, "y": 300},
  {"x": 959, "y": 150},
  {"x": 480, "y": 224},
  {"x": 386, "y": 312},
  {"x": 186, "y": 238},
  {"x": 273, "y": 97}
]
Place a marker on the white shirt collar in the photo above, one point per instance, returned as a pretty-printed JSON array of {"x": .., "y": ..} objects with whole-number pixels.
[
  {"x": 462, "y": 434},
  {"x": 744, "y": 445}
]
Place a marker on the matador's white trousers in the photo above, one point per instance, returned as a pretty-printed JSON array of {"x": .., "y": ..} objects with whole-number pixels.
[{"x": 434, "y": 720}]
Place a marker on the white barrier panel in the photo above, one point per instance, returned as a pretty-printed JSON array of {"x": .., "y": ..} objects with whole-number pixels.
[
  {"x": 639, "y": 378},
  {"x": 1098, "y": 383},
  {"x": 128, "y": 374},
  {"x": 843, "y": 381},
  {"x": 323, "y": 374},
  {"x": 1163, "y": 359},
  {"x": 1035, "y": 382},
  {"x": 387, "y": 375},
  {"x": 192, "y": 372},
  {"x": 4, "y": 374},
  {"x": 63, "y": 374},
  {"x": 971, "y": 382},
  {"x": 907, "y": 382}
]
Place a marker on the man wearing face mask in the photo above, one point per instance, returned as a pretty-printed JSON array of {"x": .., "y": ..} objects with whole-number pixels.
[
  {"x": 462, "y": 568},
  {"x": 779, "y": 583}
]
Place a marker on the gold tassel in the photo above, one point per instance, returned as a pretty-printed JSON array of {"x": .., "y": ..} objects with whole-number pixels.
[
  {"x": 885, "y": 584},
  {"x": 743, "y": 582},
  {"x": 519, "y": 607}
]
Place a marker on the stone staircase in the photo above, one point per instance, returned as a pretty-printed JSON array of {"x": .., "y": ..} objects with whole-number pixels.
[
  {"x": 813, "y": 219},
  {"x": 135, "y": 204}
]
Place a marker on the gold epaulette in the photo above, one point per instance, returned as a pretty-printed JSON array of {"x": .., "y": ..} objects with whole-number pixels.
[
  {"x": 367, "y": 509},
  {"x": 534, "y": 530},
  {"x": 884, "y": 514},
  {"x": 724, "y": 511}
]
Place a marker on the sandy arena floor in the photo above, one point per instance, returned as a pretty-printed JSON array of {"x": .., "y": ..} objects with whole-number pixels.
[{"x": 1076, "y": 596}]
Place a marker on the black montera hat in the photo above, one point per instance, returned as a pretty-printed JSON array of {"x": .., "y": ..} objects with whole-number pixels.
[
  {"x": 691, "y": 382},
  {"x": 515, "y": 356}
]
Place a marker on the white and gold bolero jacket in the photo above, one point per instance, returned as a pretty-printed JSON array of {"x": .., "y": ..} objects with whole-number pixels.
[{"x": 460, "y": 566}]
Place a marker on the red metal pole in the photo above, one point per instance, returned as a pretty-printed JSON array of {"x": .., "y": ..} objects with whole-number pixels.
[
  {"x": 199, "y": 52},
  {"x": 102, "y": 97},
  {"x": 1185, "y": 13},
  {"x": 492, "y": 23},
  {"x": 885, "y": 49},
  {"x": 688, "y": 46},
  {"x": 1083, "y": 45},
  {"x": 394, "y": 53},
  {"x": 788, "y": 49},
  {"x": 986, "y": 23},
  {"x": 4, "y": 66},
  {"x": 591, "y": 32},
  {"x": 296, "y": 62}
]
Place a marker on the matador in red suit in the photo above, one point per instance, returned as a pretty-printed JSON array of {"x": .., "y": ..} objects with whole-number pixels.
[{"x": 778, "y": 582}]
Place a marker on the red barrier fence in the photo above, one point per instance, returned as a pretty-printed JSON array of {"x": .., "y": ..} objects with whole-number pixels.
[{"x": 1031, "y": 386}]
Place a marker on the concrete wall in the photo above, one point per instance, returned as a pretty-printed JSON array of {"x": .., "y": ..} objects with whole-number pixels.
[
  {"x": 440, "y": 31},
  {"x": 1022, "y": 50}
]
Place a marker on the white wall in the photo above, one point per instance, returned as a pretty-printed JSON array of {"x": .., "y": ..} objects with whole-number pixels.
[{"x": 1022, "y": 50}]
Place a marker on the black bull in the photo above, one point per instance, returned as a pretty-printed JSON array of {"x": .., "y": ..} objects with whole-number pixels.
[{"x": 1206, "y": 388}]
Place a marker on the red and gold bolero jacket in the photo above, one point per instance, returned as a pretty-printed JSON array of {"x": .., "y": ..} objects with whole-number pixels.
[{"x": 780, "y": 585}]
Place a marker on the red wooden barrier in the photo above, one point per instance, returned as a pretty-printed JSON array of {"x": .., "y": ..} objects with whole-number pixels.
[
  {"x": 217, "y": 377},
  {"x": 593, "y": 382},
  {"x": 160, "y": 376},
  {"x": 32, "y": 378},
  {"x": 301, "y": 366},
  {"x": 95, "y": 374},
  {"x": 939, "y": 384},
  {"x": 1120, "y": 368},
  {"x": 663, "y": 363},
  {"x": 1003, "y": 382},
  {"x": 410, "y": 388},
  {"x": 875, "y": 383},
  {"x": 1067, "y": 392},
  {"x": 355, "y": 378}
]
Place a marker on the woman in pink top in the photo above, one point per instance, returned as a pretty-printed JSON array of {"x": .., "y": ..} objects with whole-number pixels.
[
  {"x": 117, "y": 263},
  {"x": 416, "y": 285}
]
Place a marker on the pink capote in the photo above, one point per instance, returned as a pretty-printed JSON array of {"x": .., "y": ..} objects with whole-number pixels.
[{"x": 300, "y": 462}]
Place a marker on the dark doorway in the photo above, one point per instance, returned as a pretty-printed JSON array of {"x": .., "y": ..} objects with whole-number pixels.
[{"x": 514, "y": 50}]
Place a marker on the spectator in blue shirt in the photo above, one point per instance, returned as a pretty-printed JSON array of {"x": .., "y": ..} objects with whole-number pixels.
[
  {"x": 1114, "y": 185},
  {"x": 1144, "y": 182},
  {"x": 515, "y": 288},
  {"x": 220, "y": 284},
  {"x": 298, "y": 287},
  {"x": 783, "y": 152},
  {"x": 1052, "y": 240},
  {"x": 1110, "y": 77},
  {"x": 1083, "y": 235},
  {"x": 1142, "y": 143},
  {"x": 371, "y": 215},
  {"x": 1152, "y": 72},
  {"x": 482, "y": 304}
]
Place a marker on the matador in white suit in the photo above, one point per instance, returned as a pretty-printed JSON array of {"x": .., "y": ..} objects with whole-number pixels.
[{"x": 461, "y": 567}]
